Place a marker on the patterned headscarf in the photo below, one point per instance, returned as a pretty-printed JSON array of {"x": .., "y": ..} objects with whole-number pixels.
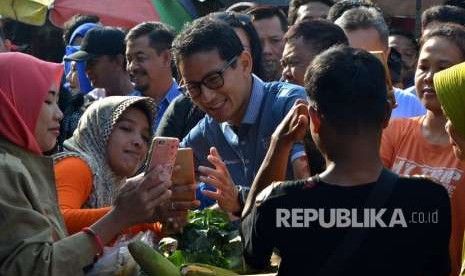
[{"x": 90, "y": 139}]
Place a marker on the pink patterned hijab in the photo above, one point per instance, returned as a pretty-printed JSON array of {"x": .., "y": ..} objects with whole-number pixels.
[{"x": 24, "y": 85}]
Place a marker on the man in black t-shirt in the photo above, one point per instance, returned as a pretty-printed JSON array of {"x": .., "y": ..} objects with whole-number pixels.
[{"x": 352, "y": 219}]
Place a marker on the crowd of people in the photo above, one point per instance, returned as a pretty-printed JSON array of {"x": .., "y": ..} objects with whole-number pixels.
[{"x": 318, "y": 129}]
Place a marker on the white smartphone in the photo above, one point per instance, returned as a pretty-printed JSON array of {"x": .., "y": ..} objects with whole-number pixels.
[{"x": 162, "y": 155}]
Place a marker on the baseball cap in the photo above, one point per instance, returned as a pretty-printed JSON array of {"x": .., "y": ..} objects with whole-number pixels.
[{"x": 100, "y": 41}]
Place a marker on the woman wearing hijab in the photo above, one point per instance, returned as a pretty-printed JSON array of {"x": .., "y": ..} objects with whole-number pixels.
[
  {"x": 109, "y": 145},
  {"x": 33, "y": 238},
  {"x": 77, "y": 78},
  {"x": 420, "y": 145}
]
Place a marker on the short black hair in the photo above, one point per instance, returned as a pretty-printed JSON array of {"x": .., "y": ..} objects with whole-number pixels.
[
  {"x": 295, "y": 5},
  {"x": 348, "y": 88},
  {"x": 344, "y": 5},
  {"x": 321, "y": 34},
  {"x": 244, "y": 22},
  {"x": 453, "y": 32},
  {"x": 405, "y": 34},
  {"x": 160, "y": 35},
  {"x": 265, "y": 12},
  {"x": 74, "y": 22},
  {"x": 204, "y": 35},
  {"x": 444, "y": 14}
]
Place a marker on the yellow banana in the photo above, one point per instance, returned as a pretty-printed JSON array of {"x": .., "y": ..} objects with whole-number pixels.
[{"x": 196, "y": 269}]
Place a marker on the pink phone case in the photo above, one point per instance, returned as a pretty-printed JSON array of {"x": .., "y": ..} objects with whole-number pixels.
[{"x": 162, "y": 156}]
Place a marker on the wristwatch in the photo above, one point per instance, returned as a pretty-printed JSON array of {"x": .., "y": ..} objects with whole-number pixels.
[{"x": 242, "y": 197}]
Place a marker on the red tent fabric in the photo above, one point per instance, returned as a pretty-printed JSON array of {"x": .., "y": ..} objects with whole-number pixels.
[{"x": 121, "y": 13}]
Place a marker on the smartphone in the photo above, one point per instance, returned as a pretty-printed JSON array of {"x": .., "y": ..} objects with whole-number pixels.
[
  {"x": 162, "y": 155},
  {"x": 185, "y": 175}
]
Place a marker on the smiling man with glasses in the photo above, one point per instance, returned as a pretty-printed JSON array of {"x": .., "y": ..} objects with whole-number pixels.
[
  {"x": 214, "y": 80},
  {"x": 230, "y": 143}
]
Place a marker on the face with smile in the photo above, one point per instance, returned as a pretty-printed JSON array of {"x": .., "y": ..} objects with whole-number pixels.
[
  {"x": 145, "y": 66},
  {"x": 437, "y": 53},
  {"x": 48, "y": 123},
  {"x": 128, "y": 142},
  {"x": 228, "y": 102}
]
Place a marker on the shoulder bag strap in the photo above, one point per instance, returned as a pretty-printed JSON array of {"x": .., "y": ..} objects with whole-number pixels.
[{"x": 353, "y": 239}]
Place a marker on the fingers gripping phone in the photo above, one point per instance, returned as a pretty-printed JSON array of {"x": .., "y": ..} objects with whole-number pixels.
[
  {"x": 185, "y": 175},
  {"x": 162, "y": 155}
]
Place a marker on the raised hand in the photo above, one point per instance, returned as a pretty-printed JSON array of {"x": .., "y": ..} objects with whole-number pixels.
[
  {"x": 226, "y": 193},
  {"x": 292, "y": 128}
]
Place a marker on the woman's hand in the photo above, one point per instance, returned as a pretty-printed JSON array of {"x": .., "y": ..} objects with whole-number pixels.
[
  {"x": 226, "y": 193},
  {"x": 139, "y": 197},
  {"x": 173, "y": 213}
]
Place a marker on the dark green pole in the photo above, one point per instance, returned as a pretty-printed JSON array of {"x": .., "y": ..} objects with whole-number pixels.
[{"x": 418, "y": 19}]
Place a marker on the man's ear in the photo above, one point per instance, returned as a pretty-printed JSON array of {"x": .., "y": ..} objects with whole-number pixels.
[
  {"x": 245, "y": 61},
  {"x": 315, "y": 119},
  {"x": 166, "y": 58}
]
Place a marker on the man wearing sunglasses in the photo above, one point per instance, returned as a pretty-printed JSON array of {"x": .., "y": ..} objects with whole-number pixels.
[{"x": 230, "y": 143}]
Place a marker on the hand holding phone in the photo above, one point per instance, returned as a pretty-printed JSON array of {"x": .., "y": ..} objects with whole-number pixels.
[
  {"x": 162, "y": 155},
  {"x": 184, "y": 175}
]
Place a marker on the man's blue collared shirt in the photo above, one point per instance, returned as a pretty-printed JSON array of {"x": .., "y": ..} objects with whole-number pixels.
[
  {"x": 172, "y": 93},
  {"x": 243, "y": 150}
]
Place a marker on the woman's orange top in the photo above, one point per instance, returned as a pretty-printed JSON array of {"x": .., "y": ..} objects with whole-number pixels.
[{"x": 73, "y": 178}]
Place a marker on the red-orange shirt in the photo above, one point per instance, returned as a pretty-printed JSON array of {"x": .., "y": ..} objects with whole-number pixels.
[
  {"x": 405, "y": 151},
  {"x": 73, "y": 178}
]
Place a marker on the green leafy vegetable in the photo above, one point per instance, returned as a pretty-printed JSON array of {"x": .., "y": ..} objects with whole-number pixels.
[{"x": 209, "y": 238}]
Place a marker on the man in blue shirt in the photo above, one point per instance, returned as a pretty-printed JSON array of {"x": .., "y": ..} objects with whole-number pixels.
[
  {"x": 366, "y": 29},
  {"x": 148, "y": 54},
  {"x": 242, "y": 111}
]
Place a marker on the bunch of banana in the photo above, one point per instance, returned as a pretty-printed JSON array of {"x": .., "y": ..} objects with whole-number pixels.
[
  {"x": 153, "y": 263},
  {"x": 205, "y": 270}
]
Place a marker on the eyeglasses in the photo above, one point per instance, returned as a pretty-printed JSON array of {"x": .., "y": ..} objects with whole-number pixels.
[{"x": 214, "y": 80}]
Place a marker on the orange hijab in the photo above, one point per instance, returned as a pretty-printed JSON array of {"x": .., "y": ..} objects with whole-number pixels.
[{"x": 24, "y": 85}]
